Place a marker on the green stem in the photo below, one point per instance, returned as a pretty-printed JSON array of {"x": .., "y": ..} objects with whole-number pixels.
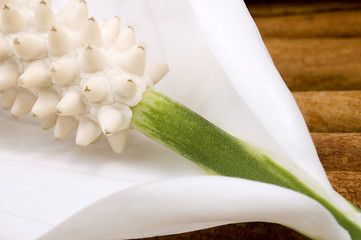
[{"x": 192, "y": 136}]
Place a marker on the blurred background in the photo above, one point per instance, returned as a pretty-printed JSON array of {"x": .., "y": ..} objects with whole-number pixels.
[{"x": 316, "y": 46}]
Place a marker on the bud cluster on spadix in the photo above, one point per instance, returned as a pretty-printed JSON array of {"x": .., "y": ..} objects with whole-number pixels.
[{"x": 71, "y": 71}]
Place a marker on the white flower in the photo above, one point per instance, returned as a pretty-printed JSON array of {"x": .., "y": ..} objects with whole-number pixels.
[{"x": 150, "y": 190}]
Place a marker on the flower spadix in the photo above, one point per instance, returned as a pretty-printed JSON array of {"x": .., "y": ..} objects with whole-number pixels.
[
  {"x": 29, "y": 47},
  {"x": 64, "y": 126},
  {"x": 91, "y": 34},
  {"x": 95, "y": 89},
  {"x": 48, "y": 122},
  {"x": 43, "y": 18},
  {"x": 126, "y": 39},
  {"x": 23, "y": 103},
  {"x": 59, "y": 43},
  {"x": 5, "y": 51},
  {"x": 46, "y": 103},
  {"x": 110, "y": 29},
  {"x": 64, "y": 69},
  {"x": 88, "y": 131},
  {"x": 8, "y": 98},
  {"x": 9, "y": 74},
  {"x": 71, "y": 104},
  {"x": 12, "y": 19},
  {"x": 35, "y": 76}
]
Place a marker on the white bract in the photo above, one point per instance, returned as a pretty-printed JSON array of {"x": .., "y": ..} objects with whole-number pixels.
[{"x": 44, "y": 184}]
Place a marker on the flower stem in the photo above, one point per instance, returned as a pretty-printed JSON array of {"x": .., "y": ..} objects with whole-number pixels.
[{"x": 185, "y": 132}]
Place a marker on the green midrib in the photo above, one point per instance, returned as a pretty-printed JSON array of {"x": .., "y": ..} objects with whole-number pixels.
[{"x": 185, "y": 132}]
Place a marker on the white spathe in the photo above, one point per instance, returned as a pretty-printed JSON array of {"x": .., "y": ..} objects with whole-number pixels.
[
  {"x": 44, "y": 182},
  {"x": 169, "y": 207}
]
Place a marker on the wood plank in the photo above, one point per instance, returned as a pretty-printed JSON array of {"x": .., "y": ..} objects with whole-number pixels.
[
  {"x": 318, "y": 64},
  {"x": 327, "y": 24},
  {"x": 348, "y": 184},
  {"x": 339, "y": 151},
  {"x": 266, "y": 8},
  {"x": 299, "y": 19},
  {"x": 331, "y": 111}
]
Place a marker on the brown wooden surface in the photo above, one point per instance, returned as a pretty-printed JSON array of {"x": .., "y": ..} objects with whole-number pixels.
[
  {"x": 276, "y": 8},
  {"x": 316, "y": 46},
  {"x": 331, "y": 111},
  {"x": 306, "y": 19},
  {"x": 318, "y": 63},
  {"x": 339, "y": 152}
]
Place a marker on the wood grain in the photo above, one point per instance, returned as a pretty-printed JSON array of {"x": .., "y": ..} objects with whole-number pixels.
[
  {"x": 307, "y": 19},
  {"x": 318, "y": 63},
  {"x": 309, "y": 25},
  {"x": 331, "y": 111},
  {"x": 348, "y": 184},
  {"x": 275, "y": 8},
  {"x": 339, "y": 151}
]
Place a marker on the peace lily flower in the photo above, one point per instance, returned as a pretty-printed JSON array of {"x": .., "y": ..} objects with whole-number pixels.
[{"x": 56, "y": 191}]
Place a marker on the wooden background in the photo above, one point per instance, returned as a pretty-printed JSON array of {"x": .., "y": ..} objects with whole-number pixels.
[{"x": 316, "y": 46}]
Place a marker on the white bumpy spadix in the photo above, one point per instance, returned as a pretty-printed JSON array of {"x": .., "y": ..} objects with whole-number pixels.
[
  {"x": 43, "y": 18},
  {"x": 12, "y": 21},
  {"x": 70, "y": 71}
]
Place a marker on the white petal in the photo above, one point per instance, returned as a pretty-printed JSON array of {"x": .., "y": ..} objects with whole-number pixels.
[{"x": 188, "y": 204}]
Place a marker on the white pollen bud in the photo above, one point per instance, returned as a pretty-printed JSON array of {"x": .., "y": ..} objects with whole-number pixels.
[
  {"x": 29, "y": 46},
  {"x": 8, "y": 2},
  {"x": 126, "y": 39},
  {"x": 133, "y": 61},
  {"x": 124, "y": 87},
  {"x": 49, "y": 121},
  {"x": 8, "y": 98},
  {"x": 90, "y": 34},
  {"x": 59, "y": 42},
  {"x": 95, "y": 89},
  {"x": 118, "y": 140},
  {"x": 46, "y": 103},
  {"x": 111, "y": 29},
  {"x": 63, "y": 72},
  {"x": 64, "y": 12},
  {"x": 72, "y": 103},
  {"x": 64, "y": 126},
  {"x": 32, "y": 4},
  {"x": 92, "y": 59},
  {"x": 88, "y": 131},
  {"x": 77, "y": 16},
  {"x": 9, "y": 75},
  {"x": 43, "y": 18},
  {"x": 12, "y": 20},
  {"x": 23, "y": 103},
  {"x": 110, "y": 120},
  {"x": 5, "y": 50},
  {"x": 35, "y": 76},
  {"x": 157, "y": 71}
]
